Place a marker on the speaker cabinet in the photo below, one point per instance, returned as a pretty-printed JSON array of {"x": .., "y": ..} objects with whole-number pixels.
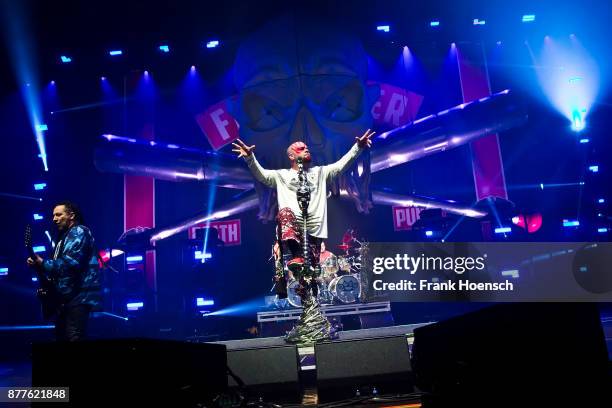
[
  {"x": 120, "y": 371},
  {"x": 512, "y": 354},
  {"x": 269, "y": 371},
  {"x": 345, "y": 366}
]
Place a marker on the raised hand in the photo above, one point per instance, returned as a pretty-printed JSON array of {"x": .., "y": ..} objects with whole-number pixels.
[
  {"x": 364, "y": 141},
  {"x": 242, "y": 149}
]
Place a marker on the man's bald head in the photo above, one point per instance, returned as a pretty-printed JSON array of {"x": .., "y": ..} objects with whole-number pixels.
[{"x": 297, "y": 150}]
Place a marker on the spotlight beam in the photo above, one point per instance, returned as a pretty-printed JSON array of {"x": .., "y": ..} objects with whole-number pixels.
[
  {"x": 386, "y": 198},
  {"x": 118, "y": 154},
  {"x": 447, "y": 130},
  {"x": 423, "y": 137},
  {"x": 246, "y": 203},
  {"x": 22, "y": 49},
  {"x": 20, "y": 196},
  {"x": 250, "y": 201}
]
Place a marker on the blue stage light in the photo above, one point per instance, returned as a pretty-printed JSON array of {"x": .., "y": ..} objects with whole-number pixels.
[
  {"x": 37, "y": 217},
  {"x": 40, "y": 186},
  {"x": 198, "y": 255},
  {"x": 571, "y": 223},
  {"x": 134, "y": 259},
  {"x": 594, "y": 169},
  {"x": 602, "y": 230},
  {"x": 528, "y": 18},
  {"x": 4, "y": 271},
  {"x": 247, "y": 308},
  {"x": 34, "y": 279},
  {"x": 65, "y": 59},
  {"x": 513, "y": 273},
  {"x": 429, "y": 233},
  {"x": 134, "y": 306},
  {"x": 200, "y": 301},
  {"x": 479, "y": 22},
  {"x": 578, "y": 123},
  {"x": 42, "y": 127},
  {"x": 583, "y": 141},
  {"x": 114, "y": 53},
  {"x": 573, "y": 89},
  {"x": 434, "y": 23},
  {"x": 383, "y": 28},
  {"x": 111, "y": 315},
  {"x": 164, "y": 48},
  {"x": 601, "y": 200},
  {"x": 21, "y": 327},
  {"x": 39, "y": 248},
  {"x": 503, "y": 230},
  {"x": 212, "y": 44}
]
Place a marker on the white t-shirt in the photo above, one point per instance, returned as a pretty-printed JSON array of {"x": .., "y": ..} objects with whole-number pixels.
[{"x": 286, "y": 183}]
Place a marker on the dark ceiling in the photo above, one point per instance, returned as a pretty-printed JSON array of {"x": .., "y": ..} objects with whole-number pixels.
[{"x": 88, "y": 29}]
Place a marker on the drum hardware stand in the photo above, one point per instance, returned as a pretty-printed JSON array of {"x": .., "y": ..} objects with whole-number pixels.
[{"x": 313, "y": 326}]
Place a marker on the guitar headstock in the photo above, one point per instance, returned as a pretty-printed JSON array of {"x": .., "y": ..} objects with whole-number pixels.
[{"x": 27, "y": 238}]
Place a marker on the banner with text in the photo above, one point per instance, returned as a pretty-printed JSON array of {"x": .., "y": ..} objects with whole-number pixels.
[
  {"x": 488, "y": 271},
  {"x": 228, "y": 230}
]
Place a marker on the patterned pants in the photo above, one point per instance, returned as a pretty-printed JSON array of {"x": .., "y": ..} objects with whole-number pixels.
[
  {"x": 291, "y": 245},
  {"x": 312, "y": 326}
]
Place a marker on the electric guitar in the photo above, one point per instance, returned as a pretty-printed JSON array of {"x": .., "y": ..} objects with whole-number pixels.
[{"x": 48, "y": 295}]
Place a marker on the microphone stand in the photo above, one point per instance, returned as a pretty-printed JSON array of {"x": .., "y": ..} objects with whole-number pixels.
[
  {"x": 303, "y": 197},
  {"x": 313, "y": 326}
]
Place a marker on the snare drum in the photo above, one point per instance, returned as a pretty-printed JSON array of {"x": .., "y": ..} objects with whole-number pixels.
[
  {"x": 345, "y": 288},
  {"x": 329, "y": 267},
  {"x": 344, "y": 264}
]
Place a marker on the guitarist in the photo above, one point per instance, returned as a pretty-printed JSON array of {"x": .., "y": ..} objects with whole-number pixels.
[
  {"x": 74, "y": 272},
  {"x": 290, "y": 236}
]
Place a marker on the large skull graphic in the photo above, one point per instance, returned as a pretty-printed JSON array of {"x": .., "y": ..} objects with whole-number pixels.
[{"x": 303, "y": 79}]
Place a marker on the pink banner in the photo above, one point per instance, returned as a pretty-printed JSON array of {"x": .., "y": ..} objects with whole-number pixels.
[
  {"x": 405, "y": 217},
  {"x": 139, "y": 199},
  {"x": 395, "y": 106},
  {"x": 487, "y": 166},
  {"x": 218, "y": 125},
  {"x": 228, "y": 230}
]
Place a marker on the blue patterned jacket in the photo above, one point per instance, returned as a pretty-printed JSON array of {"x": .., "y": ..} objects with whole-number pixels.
[{"x": 75, "y": 271}]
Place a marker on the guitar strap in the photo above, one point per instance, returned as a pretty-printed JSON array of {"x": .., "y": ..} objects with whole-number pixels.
[{"x": 58, "y": 248}]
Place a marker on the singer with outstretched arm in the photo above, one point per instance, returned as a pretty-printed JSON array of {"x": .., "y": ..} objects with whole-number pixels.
[{"x": 290, "y": 236}]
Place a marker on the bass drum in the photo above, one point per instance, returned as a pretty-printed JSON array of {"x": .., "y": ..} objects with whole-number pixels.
[
  {"x": 345, "y": 288},
  {"x": 292, "y": 297},
  {"x": 324, "y": 296}
]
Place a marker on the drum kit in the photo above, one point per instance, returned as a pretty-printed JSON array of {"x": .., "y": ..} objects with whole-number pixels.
[{"x": 340, "y": 279}]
